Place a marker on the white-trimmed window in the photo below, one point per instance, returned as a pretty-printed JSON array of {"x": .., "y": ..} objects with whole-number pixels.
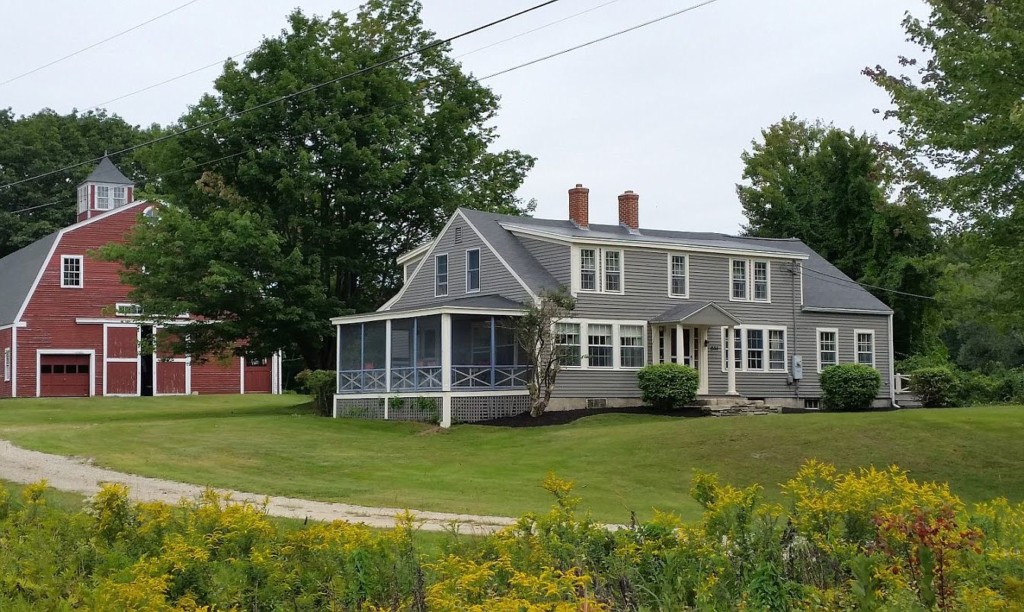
[
  {"x": 119, "y": 196},
  {"x": 865, "y": 346},
  {"x": 472, "y": 270},
  {"x": 124, "y": 309},
  {"x": 83, "y": 198},
  {"x": 631, "y": 346},
  {"x": 828, "y": 348},
  {"x": 599, "y": 270},
  {"x": 613, "y": 271},
  {"x": 677, "y": 279},
  {"x": 755, "y": 348},
  {"x": 750, "y": 280},
  {"x": 600, "y": 346},
  {"x": 441, "y": 275},
  {"x": 567, "y": 343},
  {"x": 7, "y": 364},
  {"x": 776, "y": 349},
  {"x": 103, "y": 197},
  {"x": 71, "y": 271}
]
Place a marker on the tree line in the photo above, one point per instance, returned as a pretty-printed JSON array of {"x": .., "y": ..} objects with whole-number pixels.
[{"x": 281, "y": 217}]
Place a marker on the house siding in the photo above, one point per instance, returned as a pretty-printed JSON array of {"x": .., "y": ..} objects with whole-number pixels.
[
  {"x": 646, "y": 297},
  {"x": 494, "y": 277},
  {"x": 552, "y": 255}
]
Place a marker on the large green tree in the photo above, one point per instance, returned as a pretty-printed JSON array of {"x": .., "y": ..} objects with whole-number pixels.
[
  {"x": 960, "y": 108},
  {"x": 833, "y": 190},
  {"x": 334, "y": 183},
  {"x": 39, "y": 143}
]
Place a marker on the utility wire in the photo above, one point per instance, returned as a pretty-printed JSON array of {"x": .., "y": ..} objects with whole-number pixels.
[
  {"x": 530, "y": 63},
  {"x": 850, "y": 281},
  {"x": 294, "y": 94},
  {"x": 537, "y": 29},
  {"x": 602, "y": 39},
  {"x": 96, "y": 44},
  {"x": 181, "y": 76}
]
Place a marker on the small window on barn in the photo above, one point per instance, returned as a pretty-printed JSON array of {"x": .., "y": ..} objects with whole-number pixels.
[
  {"x": 7, "y": 365},
  {"x": 71, "y": 271},
  {"x": 127, "y": 310},
  {"x": 46, "y": 369}
]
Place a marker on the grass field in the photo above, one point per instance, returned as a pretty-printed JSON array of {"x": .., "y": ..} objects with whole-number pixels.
[{"x": 274, "y": 445}]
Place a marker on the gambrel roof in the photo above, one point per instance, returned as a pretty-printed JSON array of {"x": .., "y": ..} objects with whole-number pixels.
[{"x": 18, "y": 273}]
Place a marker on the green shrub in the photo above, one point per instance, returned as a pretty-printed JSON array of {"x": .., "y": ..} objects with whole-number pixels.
[
  {"x": 668, "y": 385},
  {"x": 936, "y": 387},
  {"x": 1010, "y": 388},
  {"x": 975, "y": 388},
  {"x": 319, "y": 384},
  {"x": 849, "y": 386}
]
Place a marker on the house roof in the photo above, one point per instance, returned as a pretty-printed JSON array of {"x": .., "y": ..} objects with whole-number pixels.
[
  {"x": 506, "y": 245},
  {"x": 485, "y": 302},
  {"x": 107, "y": 172},
  {"x": 18, "y": 273},
  {"x": 825, "y": 286},
  {"x": 698, "y": 313}
]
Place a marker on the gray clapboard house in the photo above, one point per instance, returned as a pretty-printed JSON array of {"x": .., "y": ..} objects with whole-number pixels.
[{"x": 758, "y": 318}]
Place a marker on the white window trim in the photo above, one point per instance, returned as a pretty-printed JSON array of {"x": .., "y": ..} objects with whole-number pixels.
[
  {"x": 686, "y": 277},
  {"x": 765, "y": 359},
  {"x": 81, "y": 271},
  {"x": 749, "y": 296},
  {"x": 616, "y": 343},
  {"x": 8, "y": 359},
  {"x": 856, "y": 345},
  {"x": 109, "y": 200},
  {"x": 479, "y": 270},
  {"x": 447, "y": 272},
  {"x": 599, "y": 269},
  {"x": 120, "y": 309},
  {"x": 817, "y": 343}
]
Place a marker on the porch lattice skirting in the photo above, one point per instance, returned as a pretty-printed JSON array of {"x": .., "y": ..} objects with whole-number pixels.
[{"x": 443, "y": 408}]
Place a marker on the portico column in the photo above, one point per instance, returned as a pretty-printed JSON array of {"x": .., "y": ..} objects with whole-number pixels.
[
  {"x": 731, "y": 366},
  {"x": 680, "y": 346},
  {"x": 702, "y": 350}
]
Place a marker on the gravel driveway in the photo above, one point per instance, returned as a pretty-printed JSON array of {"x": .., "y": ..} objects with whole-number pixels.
[{"x": 77, "y": 475}]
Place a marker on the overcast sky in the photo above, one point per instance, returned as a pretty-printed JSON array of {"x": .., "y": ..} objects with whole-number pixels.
[{"x": 665, "y": 111}]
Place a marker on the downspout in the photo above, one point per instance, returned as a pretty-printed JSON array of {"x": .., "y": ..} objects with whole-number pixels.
[{"x": 795, "y": 276}]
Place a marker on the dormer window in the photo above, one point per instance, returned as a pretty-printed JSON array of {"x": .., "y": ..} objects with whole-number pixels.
[
  {"x": 598, "y": 270},
  {"x": 749, "y": 280}
]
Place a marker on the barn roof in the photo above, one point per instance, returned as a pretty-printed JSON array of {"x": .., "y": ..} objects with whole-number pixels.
[
  {"x": 107, "y": 172},
  {"x": 17, "y": 274}
]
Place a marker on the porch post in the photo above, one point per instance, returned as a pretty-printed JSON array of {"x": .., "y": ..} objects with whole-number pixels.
[
  {"x": 702, "y": 350},
  {"x": 493, "y": 351},
  {"x": 731, "y": 366},
  {"x": 680, "y": 346},
  {"x": 337, "y": 363},
  {"x": 415, "y": 354},
  {"x": 446, "y": 370},
  {"x": 387, "y": 356},
  {"x": 362, "y": 355}
]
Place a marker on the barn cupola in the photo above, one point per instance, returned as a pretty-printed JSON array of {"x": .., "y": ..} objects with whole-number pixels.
[{"x": 104, "y": 190}]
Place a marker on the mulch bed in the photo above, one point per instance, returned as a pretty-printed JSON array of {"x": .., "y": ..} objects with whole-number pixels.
[{"x": 563, "y": 417}]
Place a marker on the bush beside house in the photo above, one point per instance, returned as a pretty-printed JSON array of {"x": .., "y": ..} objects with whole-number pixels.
[
  {"x": 849, "y": 386},
  {"x": 668, "y": 385}
]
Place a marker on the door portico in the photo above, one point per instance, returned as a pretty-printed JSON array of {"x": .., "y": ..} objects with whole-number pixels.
[{"x": 681, "y": 335}]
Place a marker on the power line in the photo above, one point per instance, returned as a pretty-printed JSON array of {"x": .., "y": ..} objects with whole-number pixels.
[
  {"x": 183, "y": 75},
  {"x": 853, "y": 282},
  {"x": 96, "y": 44},
  {"x": 294, "y": 94},
  {"x": 537, "y": 29},
  {"x": 601, "y": 39}
]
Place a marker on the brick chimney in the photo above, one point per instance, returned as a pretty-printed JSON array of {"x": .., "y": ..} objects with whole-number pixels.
[
  {"x": 629, "y": 210},
  {"x": 579, "y": 206}
]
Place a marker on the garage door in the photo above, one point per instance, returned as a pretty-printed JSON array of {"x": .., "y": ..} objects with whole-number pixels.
[{"x": 64, "y": 375}]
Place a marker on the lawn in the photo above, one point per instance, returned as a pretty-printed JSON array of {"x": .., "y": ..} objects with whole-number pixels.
[{"x": 620, "y": 463}]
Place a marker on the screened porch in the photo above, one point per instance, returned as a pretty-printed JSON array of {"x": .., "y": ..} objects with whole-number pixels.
[{"x": 434, "y": 353}]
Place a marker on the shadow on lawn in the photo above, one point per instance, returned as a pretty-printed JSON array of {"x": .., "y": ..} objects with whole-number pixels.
[{"x": 563, "y": 417}]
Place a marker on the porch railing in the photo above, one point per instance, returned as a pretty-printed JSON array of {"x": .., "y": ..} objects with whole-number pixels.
[
  {"x": 422, "y": 378},
  {"x": 355, "y": 381},
  {"x": 487, "y": 377}
]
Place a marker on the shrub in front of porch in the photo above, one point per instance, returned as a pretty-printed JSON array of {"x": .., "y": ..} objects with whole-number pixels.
[
  {"x": 849, "y": 386},
  {"x": 320, "y": 384},
  {"x": 668, "y": 385}
]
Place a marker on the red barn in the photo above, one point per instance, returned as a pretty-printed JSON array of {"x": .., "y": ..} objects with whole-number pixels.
[{"x": 67, "y": 327}]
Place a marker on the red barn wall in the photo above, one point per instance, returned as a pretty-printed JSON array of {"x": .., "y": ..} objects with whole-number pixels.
[{"x": 215, "y": 376}]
